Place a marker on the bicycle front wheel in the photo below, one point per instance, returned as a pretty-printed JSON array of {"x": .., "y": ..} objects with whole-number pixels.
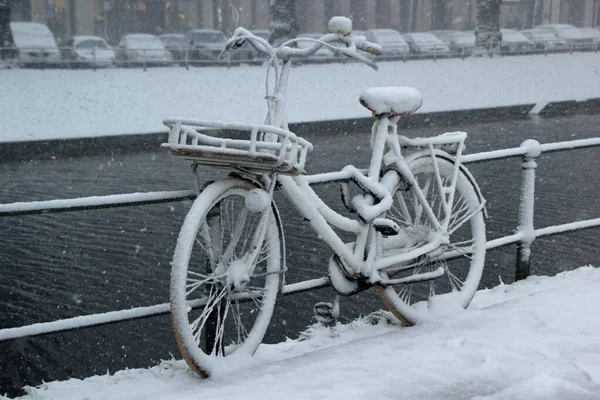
[
  {"x": 225, "y": 276},
  {"x": 462, "y": 259}
]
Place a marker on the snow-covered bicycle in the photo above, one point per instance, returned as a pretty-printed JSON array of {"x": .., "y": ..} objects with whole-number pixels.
[{"x": 415, "y": 214}]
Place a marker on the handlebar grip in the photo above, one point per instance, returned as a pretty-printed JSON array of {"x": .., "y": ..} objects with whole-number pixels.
[{"x": 364, "y": 45}]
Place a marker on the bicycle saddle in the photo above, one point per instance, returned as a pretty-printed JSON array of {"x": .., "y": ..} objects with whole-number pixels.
[{"x": 396, "y": 100}]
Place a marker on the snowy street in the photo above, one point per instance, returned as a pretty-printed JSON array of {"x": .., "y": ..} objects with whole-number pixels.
[{"x": 53, "y": 104}]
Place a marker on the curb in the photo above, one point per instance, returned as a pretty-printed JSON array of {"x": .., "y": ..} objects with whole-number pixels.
[
  {"x": 150, "y": 142},
  {"x": 560, "y": 108}
]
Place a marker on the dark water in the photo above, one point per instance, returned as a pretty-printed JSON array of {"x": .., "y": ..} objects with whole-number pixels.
[{"x": 69, "y": 264}]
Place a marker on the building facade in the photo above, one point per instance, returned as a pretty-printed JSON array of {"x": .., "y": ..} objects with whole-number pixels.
[{"x": 113, "y": 18}]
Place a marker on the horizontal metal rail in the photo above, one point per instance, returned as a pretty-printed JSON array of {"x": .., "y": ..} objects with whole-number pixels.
[
  {"x": 524, "y": 237},
  {"x": 526, "y": 148},
  {"x": 112, "y": 317},
  {"x": 94, "y": 202}
]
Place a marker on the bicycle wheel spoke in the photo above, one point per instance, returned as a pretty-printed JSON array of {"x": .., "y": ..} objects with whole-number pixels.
[
  {"x": 203, "y": 318},
  {"x": 253, "y": 298},
  {"x": 462, "y": 258},
  {"x": 235, "y": 235},
  {"x": 214, "y": 313},
  {"x": 197, "y": 283},
  {"x": 403, "y": 215}
]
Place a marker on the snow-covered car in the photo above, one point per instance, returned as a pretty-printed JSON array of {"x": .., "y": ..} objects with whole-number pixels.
[
  {"x": 554, "y": 28},
  {"x": 595, "y": 35},
  {"x": 141, "y": 48},
  {"x": 205, "y": 44},
  {"x": 514, "y": 42},
  {"x": 87, "y": 51},
  {"x": 544, "y": 39},
  {"x": 459, "y": 42},
  {"x": 573, "y": 37},
  {"x": 578, "y": 38},
  {"x": 35, "y": 44},
  {"x": 175, "y": 44},
  {"x": 425, "y": 44},
  {"x": 391, "y": 41}
]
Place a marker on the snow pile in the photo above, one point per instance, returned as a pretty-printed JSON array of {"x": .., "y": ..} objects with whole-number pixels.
[
  {"x": 49, "y": 104},
  {"x": 534, "y": 339}
]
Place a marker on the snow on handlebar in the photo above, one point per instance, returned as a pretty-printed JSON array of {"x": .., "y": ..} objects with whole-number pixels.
[{"x": 340, "y": 29}]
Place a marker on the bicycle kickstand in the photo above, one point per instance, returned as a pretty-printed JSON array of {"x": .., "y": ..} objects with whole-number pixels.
[{"x": 327, "y": 313}]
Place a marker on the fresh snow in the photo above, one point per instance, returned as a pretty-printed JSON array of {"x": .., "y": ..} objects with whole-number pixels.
[
  {"x": 54, "y": 104},
  {"x": 533, "y": 339}
]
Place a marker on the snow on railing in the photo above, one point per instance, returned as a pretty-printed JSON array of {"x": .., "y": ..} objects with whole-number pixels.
[{"x": 526, "y": 233}]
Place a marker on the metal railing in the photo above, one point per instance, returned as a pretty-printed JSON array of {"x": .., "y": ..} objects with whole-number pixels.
[
  {"x": 526, "y": 233},
  {"x": 66, "y": 57}
]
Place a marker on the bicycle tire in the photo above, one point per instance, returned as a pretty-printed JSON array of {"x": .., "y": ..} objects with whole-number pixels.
[
  {"x": 421, "y": 301},
  {"x": 205, "y": 270}
]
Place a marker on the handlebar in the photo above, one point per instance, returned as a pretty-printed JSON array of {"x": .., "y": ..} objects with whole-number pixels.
[{"x": 285, "y": 50}]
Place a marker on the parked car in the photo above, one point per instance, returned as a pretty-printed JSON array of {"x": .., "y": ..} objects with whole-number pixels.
[
  {"x": 578, "y": 38},
  {"x": 205, "y": 44},
  {"x": 425, "y": 44},
  {"x": 461, "y": 42},
  {"x": 35, "y": 43},
  {"x": 514, "y": 42},
  {"x": 595, "y": 35},
  {"x": 175, "y": 44},
  {"x": 574, "y": 38},
  {"x": 554, "y": 28},
  {"x": 87, "y": 51},
  {"x": 544, "y": 39},
  {"x": 141, "y": 48},
  {"x": 392, "y": 43}
]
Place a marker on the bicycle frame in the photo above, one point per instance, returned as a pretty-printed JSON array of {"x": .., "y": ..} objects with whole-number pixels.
[
  {"x": 364, "y": 259},
  {"x": 386, "y": 151}
]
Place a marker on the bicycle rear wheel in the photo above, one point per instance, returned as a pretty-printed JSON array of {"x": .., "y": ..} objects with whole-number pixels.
[
  {"x": 224, "y": 277},
  {"x": 462, "y": 259}
]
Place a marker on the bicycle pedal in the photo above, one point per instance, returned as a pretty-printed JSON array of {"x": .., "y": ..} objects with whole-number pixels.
[
  {"x": 324, "y": 313},
  {"x": 386, "y": 227}
]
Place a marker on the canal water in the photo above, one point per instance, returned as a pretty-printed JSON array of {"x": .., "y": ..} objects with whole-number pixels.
[{"x": 63, "y": 265}]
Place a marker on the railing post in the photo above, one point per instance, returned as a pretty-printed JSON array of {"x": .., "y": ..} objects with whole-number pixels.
[
  {"x": 144, "y": 55},
  {"x": 526, "y": 206}
]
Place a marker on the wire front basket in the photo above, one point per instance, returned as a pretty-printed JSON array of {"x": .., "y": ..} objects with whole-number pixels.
[{"x": 254, "y": 147}]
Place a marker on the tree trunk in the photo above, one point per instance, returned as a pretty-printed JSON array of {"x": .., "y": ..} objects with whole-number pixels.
[
  {"x": 284, "y": 24},
  {"x": 530, "y": 11},
  {"x": 6, "y": 39},
  {"x": 487, "y": 30},
  {"x": 439, "y": 18}
]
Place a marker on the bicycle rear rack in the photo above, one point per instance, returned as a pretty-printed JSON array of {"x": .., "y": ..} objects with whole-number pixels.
[{"x": 261, "y": 148}]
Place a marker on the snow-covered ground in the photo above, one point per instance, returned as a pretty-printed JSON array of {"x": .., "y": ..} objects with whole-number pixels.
[
  {"x": 52, "y": 104},
  {"x": 534, "y": 339}
]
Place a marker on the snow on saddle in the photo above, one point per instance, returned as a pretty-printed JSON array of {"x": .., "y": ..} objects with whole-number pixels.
[{"x": 395, "y": 100}]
